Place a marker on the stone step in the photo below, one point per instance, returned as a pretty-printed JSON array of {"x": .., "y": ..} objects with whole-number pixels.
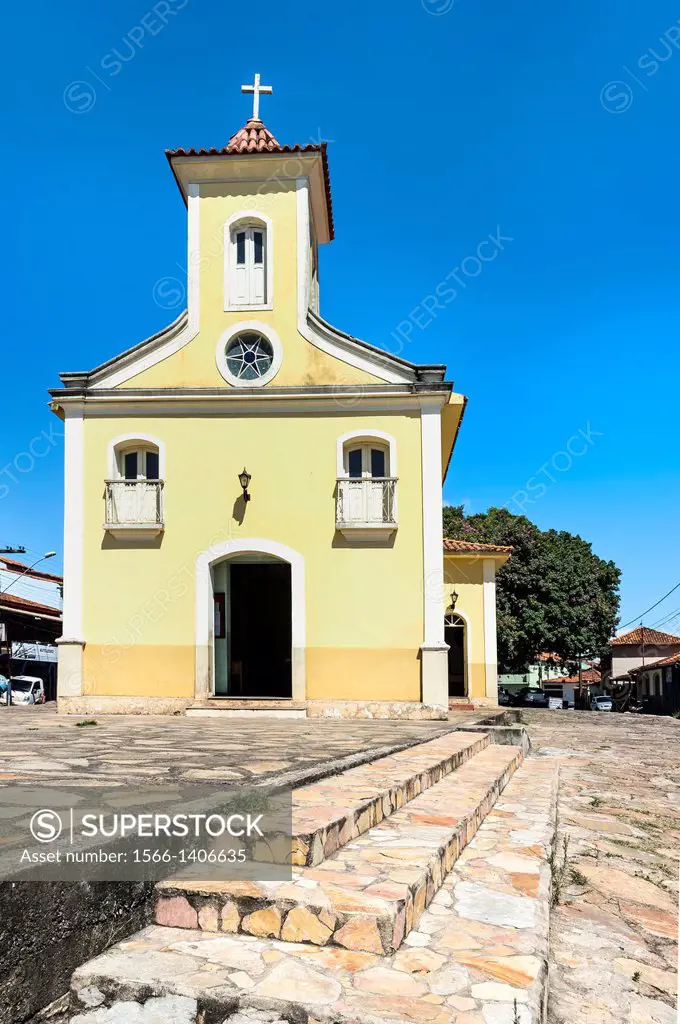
[
  {"x": 461, "y": 704},
  {"x": 235, "y": 707},
  {"x": 479, "y": 954},
  {"x": 333, "y": 811},
  {"x": 370, "y": 893}
]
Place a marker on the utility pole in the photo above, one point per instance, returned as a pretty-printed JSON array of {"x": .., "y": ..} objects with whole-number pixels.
[
  {"x": 639, "y": 684},
  {"x": 4, "y": 631}
]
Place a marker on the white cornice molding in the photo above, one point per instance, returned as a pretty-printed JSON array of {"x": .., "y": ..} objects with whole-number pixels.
[{"x": 233, "y": 402}]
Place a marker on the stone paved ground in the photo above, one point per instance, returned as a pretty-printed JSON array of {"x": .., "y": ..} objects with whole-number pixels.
[
  {"x": 614, "y": 932},
  {"x": 39, "y": 746}
]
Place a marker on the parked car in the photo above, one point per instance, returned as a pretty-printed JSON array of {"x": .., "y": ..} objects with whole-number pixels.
[
  {"x": 25, "y": 690},
  {"x": 534, "y": 698},
  {"x": 601, "y": 704}
]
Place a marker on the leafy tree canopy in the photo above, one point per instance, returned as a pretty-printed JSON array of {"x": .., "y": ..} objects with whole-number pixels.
[{"x": 553, "y": 594}]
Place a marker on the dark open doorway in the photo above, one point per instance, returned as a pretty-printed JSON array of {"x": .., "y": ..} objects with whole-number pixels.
[
  {"x": 454, "y": 634},
  {"x": 259, "y": 631}
]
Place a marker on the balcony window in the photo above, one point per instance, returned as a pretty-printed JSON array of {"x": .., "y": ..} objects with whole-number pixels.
[
  {"x": 366, "y": 493},
  {"x": 134, "y": 495}
]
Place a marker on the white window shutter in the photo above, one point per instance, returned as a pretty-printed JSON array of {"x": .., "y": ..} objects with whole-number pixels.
[
  {"x": 239, "y": 285},
  {"x": 247, "y": 280},
  {"x": 257, "y": 289},
  {"x": 256, "y": 255}
]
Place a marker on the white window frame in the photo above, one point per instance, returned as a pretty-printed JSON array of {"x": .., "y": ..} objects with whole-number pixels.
[
  {"x": 365, "y": 447},
  {"x": 244, "y": 220},
  {"x": 141, "y": 454},
  {"x": 119, "y": 447},
  {"x": 370, "y": 438},
  {"x": 240, "y": 328}
]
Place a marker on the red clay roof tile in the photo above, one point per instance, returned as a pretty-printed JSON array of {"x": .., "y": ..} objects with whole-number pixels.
[
  {"x": 255, "y": 137},
  {"x": 13, "y": 566},
  {"x": 645, "y": 635},
  {"x": 672, "y": 659},
  {"x": 465, "y": 546},
  {"x": 10, "y": 601},
  {"x": 589, "y": 677}
]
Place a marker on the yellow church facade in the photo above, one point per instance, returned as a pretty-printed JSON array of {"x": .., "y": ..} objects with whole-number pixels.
[{"x": 253, "y": 499}]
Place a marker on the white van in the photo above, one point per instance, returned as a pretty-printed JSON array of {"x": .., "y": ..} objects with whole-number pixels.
[{"x": 25, "y": 690}]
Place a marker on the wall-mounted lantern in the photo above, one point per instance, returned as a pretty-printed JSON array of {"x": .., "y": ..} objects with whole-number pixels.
[
  {"x": 453, "y": 600},
  {"x": 244, "y": 479}
]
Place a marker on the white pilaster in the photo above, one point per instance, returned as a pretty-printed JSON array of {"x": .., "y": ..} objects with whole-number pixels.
[
  {"x": 434, "y": 661},
  {"x": 71, "y": 643},
  {"x": 303, "y": 242},
  {"x": 193, "y": 257},
  {"x": 490, "y": 642}
]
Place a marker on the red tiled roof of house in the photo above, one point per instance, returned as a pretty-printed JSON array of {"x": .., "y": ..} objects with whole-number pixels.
[
  {"x": 36, "y": 574},
  {"x": 672, "y": 659},
  {"x": 465, "y": 546},
  {"x": 255, "y": 137},
  {"x": 21, "y": 604},
  {"x": 589, "y": 677},
  {"x": 645, "y": 635}
]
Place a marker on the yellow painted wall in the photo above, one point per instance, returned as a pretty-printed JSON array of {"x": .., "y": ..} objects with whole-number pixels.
[
  {"x": 364, "y": 604},
  {"x": 466, "y": 575},
  {"x": 303, "y": 363}
]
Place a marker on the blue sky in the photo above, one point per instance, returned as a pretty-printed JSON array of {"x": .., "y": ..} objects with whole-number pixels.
[{"x": 553, "y": 124}]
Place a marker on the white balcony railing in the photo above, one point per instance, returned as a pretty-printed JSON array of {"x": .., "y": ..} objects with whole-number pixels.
[
  {"x": 366, "y": 504},
  {"x": 134, "y": 504}
]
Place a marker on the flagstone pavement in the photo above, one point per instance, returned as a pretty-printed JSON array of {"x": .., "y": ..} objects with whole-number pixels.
[
  {"x": 614, "y": 932},
  {"x": 37, "y": 745}
]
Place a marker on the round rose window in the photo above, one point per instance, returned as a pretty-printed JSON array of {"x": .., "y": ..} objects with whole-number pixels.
[{"x": 249, "y": 356}]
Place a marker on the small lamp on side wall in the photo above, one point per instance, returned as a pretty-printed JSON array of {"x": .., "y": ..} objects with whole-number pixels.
[
  {"x": 244, "y": 479},
  {"x": 453, "y": 599}
]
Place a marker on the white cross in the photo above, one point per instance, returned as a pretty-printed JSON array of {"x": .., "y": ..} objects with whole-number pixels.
[{"x": 256, "y": 89}]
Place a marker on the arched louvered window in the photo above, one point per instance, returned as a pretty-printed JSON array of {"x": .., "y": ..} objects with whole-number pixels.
[{"x": 248, "y": 265}]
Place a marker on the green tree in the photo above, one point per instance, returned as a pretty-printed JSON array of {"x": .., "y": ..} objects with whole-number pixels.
[{"x": 553, "y": 594}]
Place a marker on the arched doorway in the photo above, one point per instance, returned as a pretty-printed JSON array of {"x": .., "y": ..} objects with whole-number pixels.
[
  {"x": 252, "y": 627},
  {"x": 456, "y": 637},
  {"x": 250, "y": 620}
]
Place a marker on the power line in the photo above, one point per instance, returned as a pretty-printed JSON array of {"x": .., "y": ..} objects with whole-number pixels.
[
  {"x": 666, "y": 618},
  {"x": 639, "y": 618}
]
